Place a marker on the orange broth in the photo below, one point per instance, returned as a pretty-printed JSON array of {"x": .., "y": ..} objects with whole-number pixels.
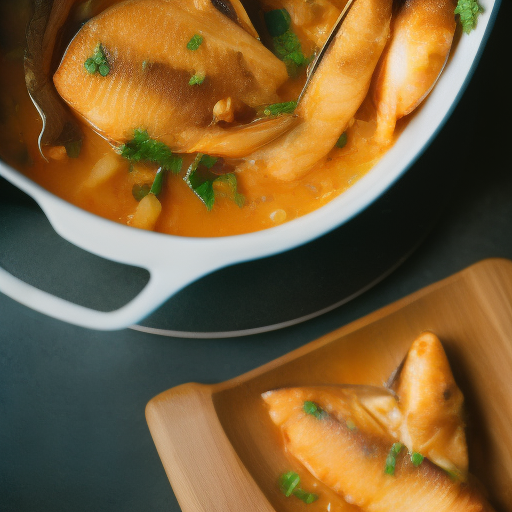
[{"x": 268, "y": 202}]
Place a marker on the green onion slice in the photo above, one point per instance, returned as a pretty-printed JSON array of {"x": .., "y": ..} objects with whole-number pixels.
[
  {"x": 391, "y": 458},
  {"x": 288, "y": 482},
  {"x": 314, "y": 410},
  {"x": 195, "y": 42},
  {"x": 416, "y": 458}
]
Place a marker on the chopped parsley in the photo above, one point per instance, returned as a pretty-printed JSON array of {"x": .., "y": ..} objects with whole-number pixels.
[
  {"x": 286, "y": 44},
  {"x": 278, "y": 22},
  {"x": 416, "y": 459},
  {"x": 98, "y": 63},
  {"x": 314, "y": 410},
  {"x": 196, "y": 79},
  {"x": 287, "y": 48},
  {"x": 195, "y": 42},
  {"x": 289, "y": 484},
  {"x": 391, "y": 458},
  {"x": 342, "y": 141},
  {"x": 276, "y": 109},
  {"x": 207, "y": 185},
  {"x": 142, "y": 148},
  {"x": 468, "y": 11},
  {"x": 226, "y": 185}
]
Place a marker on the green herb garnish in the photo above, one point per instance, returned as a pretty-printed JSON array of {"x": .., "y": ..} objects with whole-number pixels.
[
  {"x": 195, "y": 42},
  {"x": 468, "y": 11},
  {"x": 289, "y": 484},
  {"x": 342, "y": 141},
  {"x": 205, "y": 184},
  {"x": 142, "y": 148},
  {"x": 139, "y": 192},
  {"x": 287, "y": 48},
  {"x": 98, "y": 63},
  {"x": 416, "y": 458},
  {"x": 306, "y": 497},
  {"x": 391, "y": 458},
  {"x": 156, "y": 188},
  {"x": 73, "y": 148},
  {"x": 231, "y": 187},
  {"x": 314, "y": 410},
  {"x": 278, "y": 22},
  {"x": 196, "y": 79},
  {"x": 276, "y": 109}
]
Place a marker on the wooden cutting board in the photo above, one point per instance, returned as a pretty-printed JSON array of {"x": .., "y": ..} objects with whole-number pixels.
[{"x": 222, "y": 453}]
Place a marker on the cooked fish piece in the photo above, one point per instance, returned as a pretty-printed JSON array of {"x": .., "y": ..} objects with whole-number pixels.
[
  {"x": 422, "y": 34},
  {"x": 432, "y": 406},
  {"x": 335, "y": 93},
  {"x": 343, "y": 448},
  {"x": 148, "y": 85}
]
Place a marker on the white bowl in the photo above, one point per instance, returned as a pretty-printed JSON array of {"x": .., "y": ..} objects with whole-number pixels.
[{"x": 174, "y": 262}]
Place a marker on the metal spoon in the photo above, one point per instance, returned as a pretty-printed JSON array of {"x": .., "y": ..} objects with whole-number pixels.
[
  {"x": 43, "y": 31},
  {"x": 321, "y": 54}
]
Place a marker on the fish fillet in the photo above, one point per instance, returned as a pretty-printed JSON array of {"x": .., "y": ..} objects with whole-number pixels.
[
  {"x": 346, "y": 453},
  {"x": 145, "y": 42},
  {"x": 422, "y": 34},
  {"x": 432, "y": 406},
  {"x": 335, "y": 93}
]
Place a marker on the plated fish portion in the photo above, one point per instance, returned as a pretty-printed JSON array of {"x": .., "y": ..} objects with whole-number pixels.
[{"x": 386, "y": 452}]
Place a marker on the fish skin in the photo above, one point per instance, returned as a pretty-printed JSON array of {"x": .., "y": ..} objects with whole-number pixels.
[
  {"x": 335, "y": 93},
  {"x": 422, "y": 35},
  {"x": 352, "y": 461},
  {"x": 157, "y": 96}
]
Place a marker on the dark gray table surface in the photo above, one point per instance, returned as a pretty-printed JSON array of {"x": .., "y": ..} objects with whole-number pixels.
[{"x": 73, "y": 436}]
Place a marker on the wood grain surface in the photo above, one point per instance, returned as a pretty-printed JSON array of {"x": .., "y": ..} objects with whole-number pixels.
[{"x": 221, "y": 452}]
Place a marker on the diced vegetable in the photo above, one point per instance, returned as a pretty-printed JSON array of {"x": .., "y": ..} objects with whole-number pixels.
[
  {"x": 104, "y": 169},
  {"x": 147, "y": 213}
]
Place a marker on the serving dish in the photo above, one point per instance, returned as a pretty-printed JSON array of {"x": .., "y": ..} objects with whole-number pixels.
[
  {"x": 220, "y": 449},
  {"x": 174, "y": 262}
]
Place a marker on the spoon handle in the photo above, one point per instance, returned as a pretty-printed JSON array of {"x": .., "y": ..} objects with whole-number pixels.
[
  {"x": 59, "y": 126},
  {"x": 320, "y": 55}
]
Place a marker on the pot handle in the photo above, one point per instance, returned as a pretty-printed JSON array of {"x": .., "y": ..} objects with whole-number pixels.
[{"x": 161, "y": 285}]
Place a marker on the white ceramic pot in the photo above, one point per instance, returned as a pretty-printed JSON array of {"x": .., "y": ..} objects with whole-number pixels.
[{"x": 174, "y": 262}]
